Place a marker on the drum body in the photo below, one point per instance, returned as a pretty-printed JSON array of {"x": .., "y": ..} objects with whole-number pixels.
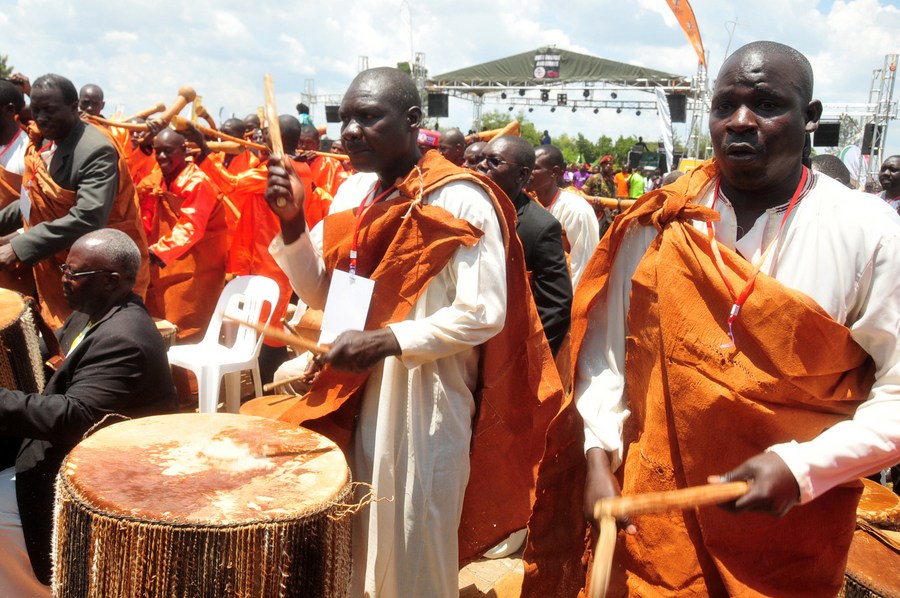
[
  {"x": 21, "y": 365},
  {"x": 167, "y": 330},
  {"x": 873, "y": 564},
  {"x": 202, "y": 505}
]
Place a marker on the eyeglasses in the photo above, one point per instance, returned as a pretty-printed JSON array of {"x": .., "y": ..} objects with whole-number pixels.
[
  {"x": 66, "y": 271},
  {"x": 495, "y": 162}
]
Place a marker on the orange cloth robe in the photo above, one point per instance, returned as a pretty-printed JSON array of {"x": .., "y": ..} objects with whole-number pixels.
[
  {"x": 257, "y": 226},
  {"x": 189, "y": 236},
  {"x": 10, "y": 185},
  {"x": 518, "y": 390},
  {"x": 239, "y": 163},
  {"x": 49, "y": 201},
  {"x": 700, "y": 408},
  {"x": 21, "y": 279}
]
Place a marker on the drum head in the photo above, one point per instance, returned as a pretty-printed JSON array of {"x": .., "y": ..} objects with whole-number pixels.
[
  {"x": 11, "y": 307},
  {"x": 206, "y": 469}
]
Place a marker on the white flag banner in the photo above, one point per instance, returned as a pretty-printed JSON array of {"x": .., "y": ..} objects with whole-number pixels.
[{"x": 665, "y": 125}]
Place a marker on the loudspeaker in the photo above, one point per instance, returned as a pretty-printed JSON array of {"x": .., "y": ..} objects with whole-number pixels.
[
  {"x": 438, "y": 105},
  {"x": 870, "y": 137},
  {"x": 634, "y": 158},
  {"x": 827, "y": 135},
  {"x": 677, "y": 107},
  {"x": 331, "y": 114}
]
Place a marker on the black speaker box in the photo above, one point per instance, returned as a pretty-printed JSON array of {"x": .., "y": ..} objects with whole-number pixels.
[
  {"x": 827, "y": 135},
  {"x": 677, "y": 107},
  {"x": 331, "y": 114},
  {"x": 438, "y": 105}
]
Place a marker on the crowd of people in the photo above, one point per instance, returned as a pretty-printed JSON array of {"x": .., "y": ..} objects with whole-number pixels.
[{"x": 538, "y": 335}]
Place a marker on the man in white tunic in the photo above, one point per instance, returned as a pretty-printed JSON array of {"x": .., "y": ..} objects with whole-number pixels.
[
  {"x": 412, "y": 437},
  {"x": 581, "y": 232},
  {"x": 680, "y": 404}
]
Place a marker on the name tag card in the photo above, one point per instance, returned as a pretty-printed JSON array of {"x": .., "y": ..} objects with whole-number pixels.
[{"x": 347, "y": 305}]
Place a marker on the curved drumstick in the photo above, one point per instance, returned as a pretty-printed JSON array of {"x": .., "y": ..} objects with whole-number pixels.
[
  {"x": 147, "y": 112},
  {"x": 186, "y": 95},
  {"x": 607, "y": 510},
  {"x": 203, "y": 113},
  {"x": 180, "y": 124}
]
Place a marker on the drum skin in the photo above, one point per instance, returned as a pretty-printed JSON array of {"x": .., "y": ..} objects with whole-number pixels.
[{"x": 210, "y": 504}]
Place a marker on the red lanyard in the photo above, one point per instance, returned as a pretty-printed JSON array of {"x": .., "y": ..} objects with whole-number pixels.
[
  {"x": 11, "y": 143},
  {"x": 363, "y": 208},
  {"x": 741, "y": 298},
  {"x": 553, "y": 201}
]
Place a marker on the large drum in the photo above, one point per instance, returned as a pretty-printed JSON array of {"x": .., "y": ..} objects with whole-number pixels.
[
  {"x": 873, "y": 564},
  {"x": 21, "y": 365},
  {"x": 202, "y": 504}
]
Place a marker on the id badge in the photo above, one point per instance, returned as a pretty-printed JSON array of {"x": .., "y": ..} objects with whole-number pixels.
[{"x": 347, "y": 305}]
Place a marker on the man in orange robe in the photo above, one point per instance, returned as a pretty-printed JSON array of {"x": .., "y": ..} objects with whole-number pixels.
[
  {"x": 77, "y": 181},
  {"x": 718, "y": 336},
  {"x": 187, "y": 242},
  {"x": 452, "y": 357},
  {"x": 327, "y": 172},
  {"x": 256, "y": 227}
]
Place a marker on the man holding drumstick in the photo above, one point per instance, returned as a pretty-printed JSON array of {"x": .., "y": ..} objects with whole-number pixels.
[
  {"x": 763, "y": 348},
  {"x": 434, "y": 239}
]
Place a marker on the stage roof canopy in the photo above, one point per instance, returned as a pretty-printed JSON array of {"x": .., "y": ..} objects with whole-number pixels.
[{"x": 550, "y": 66}]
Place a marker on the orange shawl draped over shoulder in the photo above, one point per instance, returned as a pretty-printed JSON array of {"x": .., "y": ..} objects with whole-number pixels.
[
  {"x": 700, "y": 408},
  {"x": 10, "y": 185},
  {"x": 518, "y": 390},
  {"x": 49, "y": 201}
]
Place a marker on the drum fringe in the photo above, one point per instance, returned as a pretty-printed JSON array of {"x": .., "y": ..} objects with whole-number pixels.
[
  {"x": 343, "y": 510},
  {"x": 100, "y": 423}
]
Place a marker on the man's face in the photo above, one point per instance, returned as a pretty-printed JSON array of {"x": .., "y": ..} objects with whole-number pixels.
[
  {"x": 170, "y": 153},
  {"x": 606, "y": 168},
  {"x": 375, "y": 134},
  {"x": 84, "y": 291},
  {"x": 54, "y": 118},
  {"x": 758, "y": 121},
  {"x": 308, "y": 143},
  {"x": 497, "y": 164},
  {"x": 452, "y": 151},
  {"x": 889, "y": 177},
  {"x": 90, "y": 101},
  {"x": 544, "y": 174},
  {"x": 472, "y": 155}
]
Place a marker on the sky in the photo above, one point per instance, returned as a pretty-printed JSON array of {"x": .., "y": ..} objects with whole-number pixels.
[{"x": 141, "y": 53}]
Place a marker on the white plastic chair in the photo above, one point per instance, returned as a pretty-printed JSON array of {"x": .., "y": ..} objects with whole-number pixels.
[{"x": 243, "y": 298}]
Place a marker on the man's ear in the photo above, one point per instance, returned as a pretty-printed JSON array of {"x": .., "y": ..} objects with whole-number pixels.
[
  {"x": 813, "y": 114},
  {"x": 414, "y": 117}
]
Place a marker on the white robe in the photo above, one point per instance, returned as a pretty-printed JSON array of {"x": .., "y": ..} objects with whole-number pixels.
[
  {"x": 839, "y": 247},
  {"x": 415, "y": 424},
  {"x": 579, "y": 223}
]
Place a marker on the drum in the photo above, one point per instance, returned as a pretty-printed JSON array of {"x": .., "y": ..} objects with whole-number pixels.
[
  {"x": 168, "y": 330},
  {"x": 21, "y": 365},
  {"x": 873, "y": 568},
  {"x": 879, "y": 506},
  {"x": 202, "y": 505}
]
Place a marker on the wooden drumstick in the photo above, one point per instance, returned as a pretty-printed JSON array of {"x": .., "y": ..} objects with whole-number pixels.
[
  {"x": 289, "y": 380},
  {"x": 612, "y": 204},
  {"x": 147, "y": 112},
  {"x": 298, "y": 342},
  {"x": 607, "y": 510},
  {"x": 228, "y": 147},
  {"x": 186, "y": 94},
  {"x": 114, "y": 123},
  {"x": 180, "y": 124},
  {"x": 203, "y": 113},
  {"x": 273, "y": 126}
]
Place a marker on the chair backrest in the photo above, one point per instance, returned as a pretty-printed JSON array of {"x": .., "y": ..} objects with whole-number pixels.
[{"x": 243, "y": 298}]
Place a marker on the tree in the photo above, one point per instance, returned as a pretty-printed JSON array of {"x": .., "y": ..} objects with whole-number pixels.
[
  {"x": 497, "y": 120},
  {"x": 5, "y": 69}
]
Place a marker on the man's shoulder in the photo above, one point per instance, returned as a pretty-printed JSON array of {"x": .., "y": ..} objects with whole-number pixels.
[{"x": 851, "y": 210}]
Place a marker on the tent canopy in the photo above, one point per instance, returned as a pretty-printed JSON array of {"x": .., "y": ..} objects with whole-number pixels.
[{"x": 547, "y": 66}]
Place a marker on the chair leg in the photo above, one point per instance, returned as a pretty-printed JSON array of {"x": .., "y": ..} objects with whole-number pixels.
[
  {"x": 233, "y": 392},
  {"x": 208, "y": 387},
  {"x": 257, "y": 380}
]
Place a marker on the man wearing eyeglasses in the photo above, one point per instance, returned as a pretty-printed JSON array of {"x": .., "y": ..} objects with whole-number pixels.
[
  {"x": 508, "y": 161},
  {"x": 115, "y": 365}
]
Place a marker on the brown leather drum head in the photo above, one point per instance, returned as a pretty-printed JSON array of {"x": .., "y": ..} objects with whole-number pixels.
[
  {"x": 11, "y": 307},
  {"x": 879, "y": 506},
  {"x": 206, "y": 469}
]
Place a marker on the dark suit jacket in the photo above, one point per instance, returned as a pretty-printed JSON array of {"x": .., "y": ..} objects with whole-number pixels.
[
  {"x": 120, "y": 367},
  {"x": 545, "y": 260},
  {"x": 86, "y": 162}
]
